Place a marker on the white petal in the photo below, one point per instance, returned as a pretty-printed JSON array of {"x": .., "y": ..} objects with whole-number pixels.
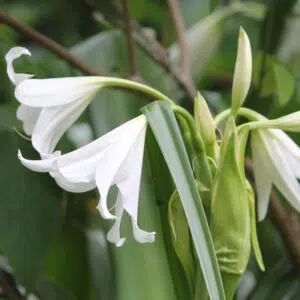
[
  {"x": 282, "y": 175},
  {"x": 44, "y": 165},
  {"x": 128, "y": 182},
  {"x": 142, "y": 236},
  {"x": 85, "y": 160},
  {"x": 108, "y": 171},
  {"x": 11, "y": 55},
  {"x": 129, "y": 176},
  {"x": 262, "y": 178},
  {"x": 84, "y": 169},
  {"x": 290, "y": 150},
  {"x": 113, "y": 234},
  {"x": 78, "y": 187},
  {"x": 29, "y": 116},
  {"x": 286, "y": 141},
  {"x": 53, "y": 122},
  {"x": 56, "y": 91}
]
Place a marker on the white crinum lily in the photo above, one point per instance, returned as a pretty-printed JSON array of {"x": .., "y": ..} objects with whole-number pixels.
[
  {"x": 276, "y": 160},
  {"x": 113, "y": 159},
  {"x": 50, "y": 106}
]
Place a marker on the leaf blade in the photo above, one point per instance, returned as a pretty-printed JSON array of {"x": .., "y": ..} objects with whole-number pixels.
[{"x": 166, "y": 131}]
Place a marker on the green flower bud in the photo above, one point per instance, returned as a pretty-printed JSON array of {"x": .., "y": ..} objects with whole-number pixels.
[
  {"x": 230, "y": 220},
  {"x": 205, "y": 125},
  {"x": 242, "y": 72}
]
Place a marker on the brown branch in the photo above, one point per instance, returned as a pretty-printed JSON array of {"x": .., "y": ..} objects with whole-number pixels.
[
  {"x": 286, "y": 222},
  {"x": 131, "y": 43},
  {"x": 177, "y": 19},
  {"x": 149, "y": 45},
  {"x": 159, "y": 54},
  {"x": 48, "y": 44}
]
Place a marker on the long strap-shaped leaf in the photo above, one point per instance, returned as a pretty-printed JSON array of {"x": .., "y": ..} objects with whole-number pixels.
[{"x": 164, "y": 126}]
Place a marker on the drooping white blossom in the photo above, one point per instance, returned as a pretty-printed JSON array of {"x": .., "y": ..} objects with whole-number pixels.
[
  {"x": 113, "y": 159},
  {"x": 49, "y": 106},
  {"x": 276, "y": 160}
]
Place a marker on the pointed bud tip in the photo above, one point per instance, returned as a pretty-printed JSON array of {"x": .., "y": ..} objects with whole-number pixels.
[
  {"x": 204, "y": 121},
  {"x": 242, "y": 72}
]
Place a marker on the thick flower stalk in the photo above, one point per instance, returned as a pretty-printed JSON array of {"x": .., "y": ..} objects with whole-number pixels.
[
  {"x": 50, "y": 106},
  {"x": 113, "y": 159}
]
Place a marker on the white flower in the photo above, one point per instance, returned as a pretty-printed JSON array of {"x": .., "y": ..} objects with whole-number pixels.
[
  {"x": 115, "y": 158},
  {"x": 276, "y": 160},
  {"x": 49, "y": 106}
]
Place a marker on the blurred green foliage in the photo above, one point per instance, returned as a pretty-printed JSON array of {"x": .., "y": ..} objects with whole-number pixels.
[{"x": 55, "y": 241}]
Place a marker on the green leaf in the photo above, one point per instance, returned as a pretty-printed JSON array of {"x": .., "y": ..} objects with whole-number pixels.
[
  {"x": 276, "y": 78},
  {"x": 68, "y": 263},
  {"x": 164, "y": 187},
  {"x": 100, "y": 264},
  {"x": 48, "y": 290},
  {"x": 271, "y": 279},
  {"x": 285, "y": 83},
  {"x": 214, "y": 4},
  {"x": 167, "y": 133},
  {"x": 181, "y": 238},
  {"x": 30, "y": 211}
]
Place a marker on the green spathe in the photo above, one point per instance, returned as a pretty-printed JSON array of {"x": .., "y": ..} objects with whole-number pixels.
[{"x": 230, "y": 219}]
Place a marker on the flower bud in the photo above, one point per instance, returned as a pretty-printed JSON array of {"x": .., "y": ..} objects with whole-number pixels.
[
  {"x": 242, "y": 72},
  {"x": 205, "y": 125},
  {"x": 230, "y": 220}
]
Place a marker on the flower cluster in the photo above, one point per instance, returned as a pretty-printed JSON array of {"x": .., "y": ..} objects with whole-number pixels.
[{"x": 48, "y": 107}]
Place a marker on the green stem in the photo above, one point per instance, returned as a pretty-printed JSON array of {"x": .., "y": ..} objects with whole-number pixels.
[
  {"x": 129, "y": 84},
  {"x": 187, "y": 137},
  {"x": 245, "y": 112}
]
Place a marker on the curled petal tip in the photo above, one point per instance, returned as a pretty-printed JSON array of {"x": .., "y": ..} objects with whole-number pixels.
[
  {"x": 121, "y": 242},
  {"x": 19, "y": 154},
  {"x": 142, "y": 236},
  {"x": 11, "y": 55}
]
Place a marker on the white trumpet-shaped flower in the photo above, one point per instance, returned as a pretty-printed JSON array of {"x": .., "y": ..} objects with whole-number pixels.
[
  {"x": 49, "y": 106},
  {"x": 113, "y": 159},
  {"x": 276, "y": 160}
]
